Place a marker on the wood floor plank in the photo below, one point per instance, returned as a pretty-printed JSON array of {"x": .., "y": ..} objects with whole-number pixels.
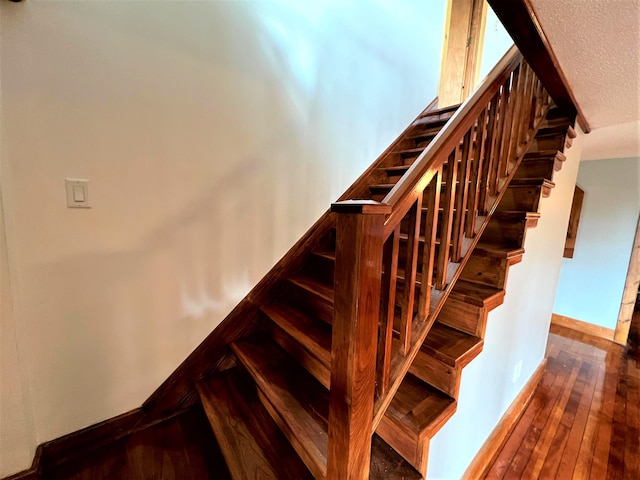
[
  {"x": 516, "y": 464},
  {"x": 583, "y": 421},
  {"x": 560, "y": 441},
  {"x": 548, "y": 433},
  {"x": 632, "y": 440},
  {"x": 577, "y": 434},
  {"x": 513, "y": 442},
  {"x": 600, "y": 454}
]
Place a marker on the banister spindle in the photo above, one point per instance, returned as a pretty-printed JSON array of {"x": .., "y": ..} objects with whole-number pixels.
[
  {"x": 447, "y": 220},
  {"x": 461, "y": 197},
  {"x": 476, "y": 170},
  {"x": 519, "y": 107},
  {"x": 487, "y": 164},
  {"x": 498, "y": 137},
  {"x": 388, "y": 304},
  {"x": 410, "y": 267},
  {"x": 432, "y": 204},
  {"x": 359, "y": 248},
  {"x": 508, "y": 120}
]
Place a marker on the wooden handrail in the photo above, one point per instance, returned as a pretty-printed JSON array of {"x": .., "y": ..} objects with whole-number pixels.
[
  {"x": 427, "y": 164},
  {"x": 523, "y": 25},
  {"x": 397, "y": 260}
]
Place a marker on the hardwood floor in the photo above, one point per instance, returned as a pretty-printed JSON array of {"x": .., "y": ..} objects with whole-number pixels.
[
  {"x": 180, "y": 448},
  {"x": 584, "y": 419}
]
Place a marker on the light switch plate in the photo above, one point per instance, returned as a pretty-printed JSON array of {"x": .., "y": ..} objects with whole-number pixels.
[{"x": 77, "y": 193}]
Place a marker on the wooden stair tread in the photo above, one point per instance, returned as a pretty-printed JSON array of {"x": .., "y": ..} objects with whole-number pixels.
[
  {"x": 302, "y": 405},
  {"x": 497, "y": 250},
  {"x": 396, "y": 169},
  {"x": 540, "y": 154},
  {"x": 556, "y": 129},
  {"x": 475, "y": 293},
  {"x": 410, "y": 151},
  {"x": 251, "y": 442},
  {"x": 531, "y": 182},
  {"x": 451, "y": 346},
  {"x": 312, "y": 334},
  {"x": 425, "y": 132},
  {"x": 515, "y": 215},
  {"x": 419, "y": 409},
  {"x": 298, "y": 401},
  {"x": 314, "y": 286}
]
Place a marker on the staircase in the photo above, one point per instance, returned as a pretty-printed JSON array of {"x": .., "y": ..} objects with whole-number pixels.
[{"x": 354, "y": 345}]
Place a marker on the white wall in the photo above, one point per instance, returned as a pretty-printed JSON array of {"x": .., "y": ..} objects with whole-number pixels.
[
  {"x": 213, "y": 134},
  {"x": 17, "y": 430},
  {"x": 591, "y": 283},
  {"x": 516, "y": 331},
  {"x": 496, "y": 43}
]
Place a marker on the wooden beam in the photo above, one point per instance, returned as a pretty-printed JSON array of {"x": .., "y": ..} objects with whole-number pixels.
[
  {"x": 462, "y": 50},
  {"x": 630, "y": 292},
  {"x": 574, "y": 221},
  {"x": 520, "y": 20},
  {"x": 359, "y": 245}
]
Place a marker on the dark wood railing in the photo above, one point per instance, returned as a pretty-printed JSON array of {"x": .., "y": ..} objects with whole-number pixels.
[{"x": 397, "y": 260}]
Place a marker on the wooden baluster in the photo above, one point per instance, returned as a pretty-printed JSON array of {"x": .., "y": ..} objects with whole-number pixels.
[
  {"x": 447, "y": 220},
  {"x": 461, "y": 198},
  {"x": 535, "y": 113},
  {"x": 485, "y": 173},
  {"x": 545, "y": 100},
  {"x": 387, "y": 313},
  {"x": 525, "y": 121},
  {"x": 538, "y": 101},
  {"x": 430, "y": 231},
  {"x": 518, "y": 94},
  {"x": 476, "y": 169},
  {"x": 506, "y": 128},
  {"x": 410, "y": 267},
  {"x": 359, "y": 246},
  {"x": 499, "y": 134},
  {"x": 521, "y": 130}
]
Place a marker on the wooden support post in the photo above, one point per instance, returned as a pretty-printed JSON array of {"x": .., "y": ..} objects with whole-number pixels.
[
  {"x": 359, "y": 247},
  {"x": 462, "y": 50}
]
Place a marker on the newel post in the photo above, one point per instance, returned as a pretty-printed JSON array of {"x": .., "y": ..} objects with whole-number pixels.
[{"x": 359, "y": 245}]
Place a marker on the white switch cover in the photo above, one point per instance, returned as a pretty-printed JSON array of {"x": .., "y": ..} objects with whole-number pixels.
[{"x": 77, "y": 193}]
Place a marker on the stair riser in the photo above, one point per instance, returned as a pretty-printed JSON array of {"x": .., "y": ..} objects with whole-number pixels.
[
  {"x": 487, "y": 270},
  {"x": 538, "y": 169},
  {"x": 311, "y": 363},
  {"x": 321, "y": 268},
  {"x": 521, "y": 198},
  {"x": 508, "y": 233},
  {"x": 552, "y": 142},
  {"x": 309, "y": 302},
  {"x": 465, "y": 317},
  {"x": 413, "y": 450},
  {"x": 437, "y": 374}
]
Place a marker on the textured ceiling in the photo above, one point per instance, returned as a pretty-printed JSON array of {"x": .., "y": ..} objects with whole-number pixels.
[{"x": 597, "y": 43}]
